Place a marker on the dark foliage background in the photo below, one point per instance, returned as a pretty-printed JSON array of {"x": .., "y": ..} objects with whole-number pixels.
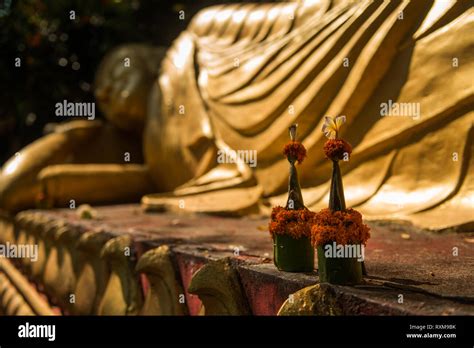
[{"x": 59, "y": 56}]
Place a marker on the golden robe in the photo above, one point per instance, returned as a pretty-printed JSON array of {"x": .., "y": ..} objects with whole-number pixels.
[{"x": 241, "y": 74}]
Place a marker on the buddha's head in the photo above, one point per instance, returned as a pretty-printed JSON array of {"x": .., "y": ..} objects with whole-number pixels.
[{"x": 123, "y": 82}]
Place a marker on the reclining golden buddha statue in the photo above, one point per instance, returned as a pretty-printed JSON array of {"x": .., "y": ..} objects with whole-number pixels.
[{"x": 212, "y": 113}]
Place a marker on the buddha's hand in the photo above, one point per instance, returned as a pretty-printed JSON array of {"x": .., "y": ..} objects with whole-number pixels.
[{"x": 19, "y": 186}]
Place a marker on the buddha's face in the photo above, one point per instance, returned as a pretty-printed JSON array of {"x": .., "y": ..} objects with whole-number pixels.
[{"x": 123, "y": 82}]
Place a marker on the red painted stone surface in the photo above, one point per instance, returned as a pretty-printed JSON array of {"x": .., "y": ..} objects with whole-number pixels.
[
  {"x": 266, "y": 288},
  {"x": 187, "y": 267}
]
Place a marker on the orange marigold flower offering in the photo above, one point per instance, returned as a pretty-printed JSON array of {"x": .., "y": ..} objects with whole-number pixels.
[
  {"x": 294, "y": 223},
  {"x": 337, "y": 226},
  {"x": 343, "y": 227},
  {"x": 295, "y": 150},
  {"x": 337, "y": 149},
  {"x": 290, "y": 226}
]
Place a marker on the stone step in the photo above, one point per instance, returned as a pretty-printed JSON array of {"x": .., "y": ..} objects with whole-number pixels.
[
  {"x": 17, "y": 295},
  {"x": 125, "y": 261}
]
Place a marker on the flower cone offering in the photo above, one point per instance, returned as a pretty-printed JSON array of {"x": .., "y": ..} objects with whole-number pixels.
[
  {"x": 290, "y": 226},
  {"x": 338, "y": 233}
]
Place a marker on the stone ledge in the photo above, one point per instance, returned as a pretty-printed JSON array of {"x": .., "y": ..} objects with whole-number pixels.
[{"x": 418, "y": 265}]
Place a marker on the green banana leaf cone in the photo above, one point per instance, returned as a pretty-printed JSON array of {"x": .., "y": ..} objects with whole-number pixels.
[
  {"x": 293, "y": 255},
  {"x": 341, "y": 271}
]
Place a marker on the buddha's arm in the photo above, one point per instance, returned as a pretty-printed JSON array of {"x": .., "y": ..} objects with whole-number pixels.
[
  {"x": 64, "y": 184},
  {"x": 77, "y": 142},
  {"x": 19, "y": 187}
]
